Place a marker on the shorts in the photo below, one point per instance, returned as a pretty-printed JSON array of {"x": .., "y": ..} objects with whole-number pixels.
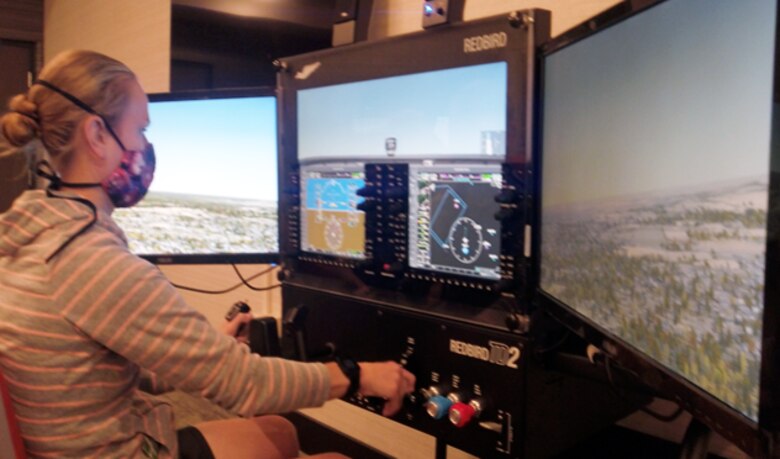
[{"x": 192, "y": 444}]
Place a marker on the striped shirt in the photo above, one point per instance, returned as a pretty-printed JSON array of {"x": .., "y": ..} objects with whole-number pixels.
[{"x": 87, "y": 335}]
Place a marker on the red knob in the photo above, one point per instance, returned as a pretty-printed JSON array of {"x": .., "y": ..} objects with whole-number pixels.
[{"x": 461, "y": 414}]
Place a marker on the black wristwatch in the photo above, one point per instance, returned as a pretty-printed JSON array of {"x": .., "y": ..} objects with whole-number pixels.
[{"x": 351, "y": 370}]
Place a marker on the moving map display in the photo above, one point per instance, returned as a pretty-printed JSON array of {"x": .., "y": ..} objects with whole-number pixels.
[
  {"x": 656, "y": 156},
  {"x": 452, "y": 225},
  {"x": 331, "y": 223},
  {"x": 215, "y": 185}
]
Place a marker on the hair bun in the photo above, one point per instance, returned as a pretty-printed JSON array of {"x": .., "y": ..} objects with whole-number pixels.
[{"x": 20, "y": 124}]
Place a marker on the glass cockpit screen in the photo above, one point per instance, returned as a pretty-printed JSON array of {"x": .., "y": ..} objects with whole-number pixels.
[
  {"x": 331, "y": 224},
  {"x": 452, "y": 225},
  {"x": 655, "y": 186}
]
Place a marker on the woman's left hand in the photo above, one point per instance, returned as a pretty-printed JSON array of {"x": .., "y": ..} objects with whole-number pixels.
[{"x": 238, "y": 327}]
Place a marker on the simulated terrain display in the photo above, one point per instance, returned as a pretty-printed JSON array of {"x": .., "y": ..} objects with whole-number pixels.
[
  {"x": 215, "y": 184},
  {"x": 459, "y": 112},
  {"x": 655, "y": 187}
]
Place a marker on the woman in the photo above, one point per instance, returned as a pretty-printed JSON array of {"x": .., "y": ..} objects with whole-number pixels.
[{"x": 88, "y": 331}]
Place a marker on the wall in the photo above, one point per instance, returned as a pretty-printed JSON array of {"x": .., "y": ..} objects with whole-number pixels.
[
  {"x": 137, "y": 33},
  {"x": 220, "y": 277},
  {"x": 21, "y": 20},
  {"x": 395, "y": 17}
]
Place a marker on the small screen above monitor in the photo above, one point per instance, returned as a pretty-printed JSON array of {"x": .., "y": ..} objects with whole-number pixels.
[
  {"x": 452, "y": 224},
  {"x": 214, "y": 194},
  {"x": 452, "y": 113},
  {"x": 330, "y": 221}
]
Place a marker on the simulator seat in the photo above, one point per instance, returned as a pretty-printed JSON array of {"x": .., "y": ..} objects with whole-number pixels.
[{"x": 11, "y": 444}]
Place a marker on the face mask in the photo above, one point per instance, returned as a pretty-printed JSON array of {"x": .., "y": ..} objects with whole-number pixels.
[{"x": 129, "y": 182}]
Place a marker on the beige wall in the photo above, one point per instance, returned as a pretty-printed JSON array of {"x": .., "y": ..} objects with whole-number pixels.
[
  {"x": 394, "y": 17},
  {"x": 136, "y": 32},
  {"x": 220, "y": 277}
]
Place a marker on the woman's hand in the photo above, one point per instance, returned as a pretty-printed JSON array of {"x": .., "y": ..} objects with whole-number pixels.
[
  {"x": 388, "y": 380},
  {"x": 237, "y": 324}
]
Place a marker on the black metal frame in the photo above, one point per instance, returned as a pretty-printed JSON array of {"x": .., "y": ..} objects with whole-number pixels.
[
  {"x": 758, "y": 439},
  {"x": 216, "y": 258}
]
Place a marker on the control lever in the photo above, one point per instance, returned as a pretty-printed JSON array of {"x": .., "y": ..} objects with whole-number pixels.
[
  {"x": 263, "y": 337},
  {"x": 294, "y": 322},
  {"x": 294, "y": 327}
]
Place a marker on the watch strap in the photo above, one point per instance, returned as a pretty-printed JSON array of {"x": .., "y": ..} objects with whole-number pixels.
[{"x": 351, "y": 370}]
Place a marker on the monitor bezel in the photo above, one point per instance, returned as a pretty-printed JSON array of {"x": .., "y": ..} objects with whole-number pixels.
[
  {"x": 756, "y": 438},
  {"x": 217, "y": 258}
]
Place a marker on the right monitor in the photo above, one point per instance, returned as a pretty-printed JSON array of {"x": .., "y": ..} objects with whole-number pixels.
[{"x": 656, "y": 142}]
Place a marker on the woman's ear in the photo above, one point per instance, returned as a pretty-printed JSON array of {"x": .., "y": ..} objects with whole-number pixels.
[{"x": 96, "y": 137}]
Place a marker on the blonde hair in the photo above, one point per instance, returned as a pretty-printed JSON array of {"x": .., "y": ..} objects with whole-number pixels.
[{"x": 95, "y": 79}]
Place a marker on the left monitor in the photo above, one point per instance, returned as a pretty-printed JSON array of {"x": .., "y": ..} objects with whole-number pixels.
[{"x": 214, "y": 194}]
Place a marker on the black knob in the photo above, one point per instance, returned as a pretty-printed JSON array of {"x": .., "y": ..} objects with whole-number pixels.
[
  {"x": 506, "y": 197},
  {"x": 367, "y": 205},
  {"x": 505, "y": 214},
  {"x": 366, "y": 191}
]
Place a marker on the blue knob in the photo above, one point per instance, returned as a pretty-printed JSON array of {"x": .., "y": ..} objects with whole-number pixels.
[{"x": 438, "y": 406}]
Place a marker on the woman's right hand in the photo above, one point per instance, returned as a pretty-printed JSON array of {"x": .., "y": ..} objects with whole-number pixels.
[{"x": 388, "y": 380}]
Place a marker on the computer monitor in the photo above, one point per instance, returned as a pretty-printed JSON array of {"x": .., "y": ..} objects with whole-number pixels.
[
  {"x": 214, "y": 194},
  {"x": 452, "y": 224},
  {"x": 656, "y": 234},
  {"x": 454, "y": 113}
]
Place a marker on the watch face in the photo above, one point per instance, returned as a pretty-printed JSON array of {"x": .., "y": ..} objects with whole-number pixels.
[
  {"x": 352, "y": 371},
  {"x": 349, "y": 365}
]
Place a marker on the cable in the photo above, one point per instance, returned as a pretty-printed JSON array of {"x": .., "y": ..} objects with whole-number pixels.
[
  {"x": 556, "y": 345},
  {"x": 250, "y": 286},
  {"x": 663, "y": 417},
  {"x": 229, "y": 289},
  {"x": 659, "y": 416}
]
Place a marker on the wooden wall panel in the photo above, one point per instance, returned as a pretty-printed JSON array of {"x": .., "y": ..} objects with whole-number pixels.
[{"x": 21, "y": 20}]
